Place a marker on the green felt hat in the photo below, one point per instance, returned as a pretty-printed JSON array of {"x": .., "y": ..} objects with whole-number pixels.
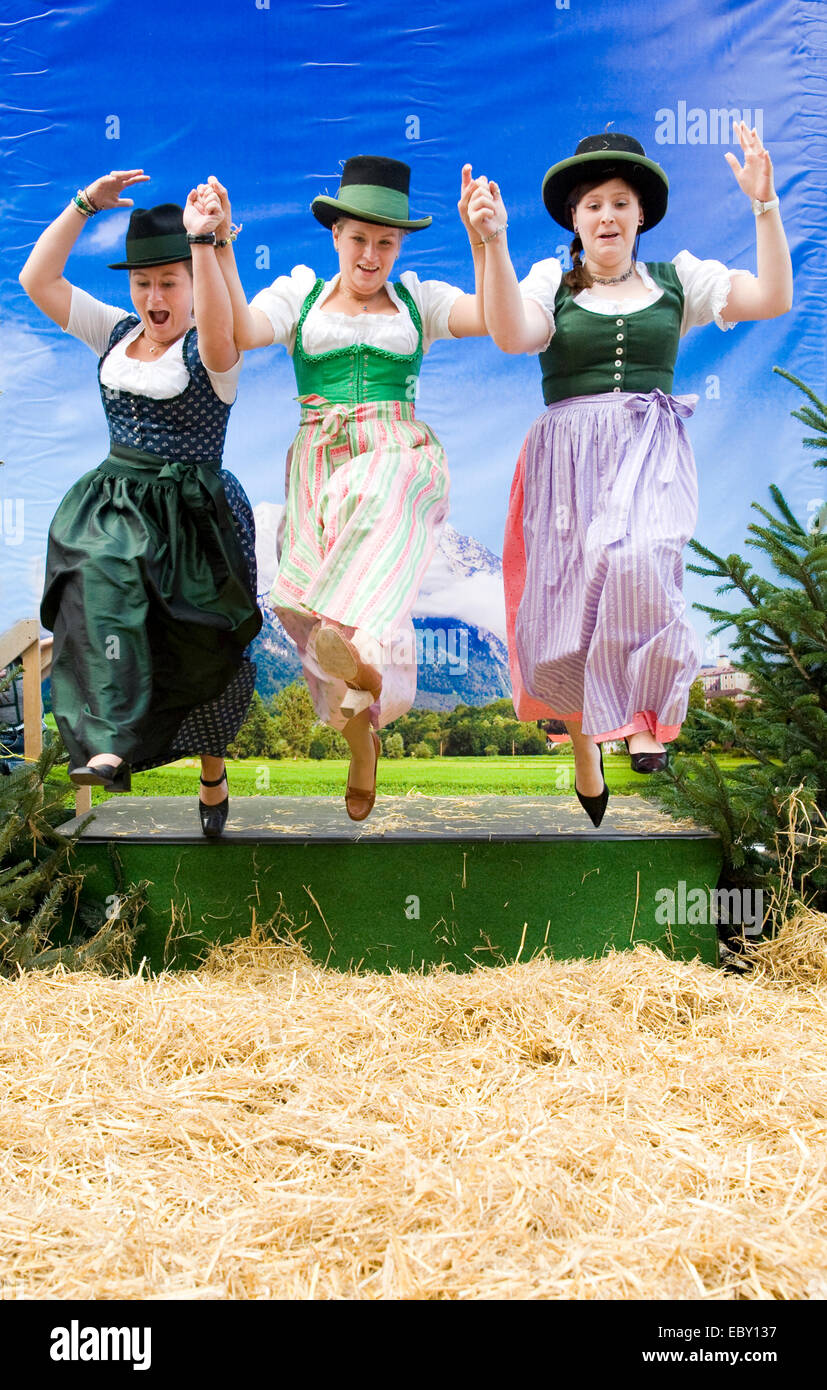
[
  {"x": 155, "y": 236},
  {"x": 372, "y": 189},
  {"x": 606, "y": 156}
]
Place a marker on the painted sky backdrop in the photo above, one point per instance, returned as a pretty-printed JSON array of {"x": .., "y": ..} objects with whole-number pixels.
[{"x": 273, "y": 97}]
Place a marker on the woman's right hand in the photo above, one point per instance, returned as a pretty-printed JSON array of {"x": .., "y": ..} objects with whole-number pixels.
[
  {"x": 106, "y": 191},
  {"x": 486, "y": 209},
  {"x": 202, "y": 214},
  {"x": 468, "y": 185}
]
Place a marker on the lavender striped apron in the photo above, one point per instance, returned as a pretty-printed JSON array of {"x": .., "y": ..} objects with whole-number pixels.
[{"x": 603, "y": 501}]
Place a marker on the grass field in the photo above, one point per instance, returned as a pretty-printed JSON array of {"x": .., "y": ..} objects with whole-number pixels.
[{"x": 530, "y": 776}]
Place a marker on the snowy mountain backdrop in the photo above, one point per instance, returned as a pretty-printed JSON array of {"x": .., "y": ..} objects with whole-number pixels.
[{"x": 459, "y": 620}]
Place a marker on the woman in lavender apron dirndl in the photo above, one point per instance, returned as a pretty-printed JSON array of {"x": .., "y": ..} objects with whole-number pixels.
[{"x": 604, "y": 497}]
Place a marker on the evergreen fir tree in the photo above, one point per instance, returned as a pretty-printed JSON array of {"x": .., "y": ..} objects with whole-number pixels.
[
  {"x": 258, "y": 736},
  {"x": 295, "y": 717},
  {"x": 695, "y": 732},
  {"x": 781, "y": 643},
  {"x": 42, "y": 921}
]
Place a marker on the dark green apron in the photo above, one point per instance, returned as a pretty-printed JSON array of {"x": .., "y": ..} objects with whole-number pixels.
[{"x": 146, "y": 594}]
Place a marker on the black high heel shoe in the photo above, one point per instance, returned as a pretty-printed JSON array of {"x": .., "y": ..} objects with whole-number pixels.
[
  {"x": 113, "y": 777},
  {"x": 594, "y": 806},
  {"x": 214, "y": 818},
  {"x": 648, "y": 762}
]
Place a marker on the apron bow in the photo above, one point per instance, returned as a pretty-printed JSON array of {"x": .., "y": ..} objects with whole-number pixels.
[
  {"x": 662, "y": 423},
  {"x": 333, "y": 417}
]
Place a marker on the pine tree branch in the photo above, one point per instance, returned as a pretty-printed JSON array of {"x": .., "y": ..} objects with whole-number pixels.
[{"x": 819, "y": 404}]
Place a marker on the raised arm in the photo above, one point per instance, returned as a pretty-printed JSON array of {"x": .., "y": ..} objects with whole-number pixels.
[
  {"x": 211, "y": 305},
  {"x": 771, "y": 292},
  {"x": 515, "y": 324},
  {"x": 467, "y": 317},
  {"x": 251, "y": 327},
  {"x": 42, "y": 276}
]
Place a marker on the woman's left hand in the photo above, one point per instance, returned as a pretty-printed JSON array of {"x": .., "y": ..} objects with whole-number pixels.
[
  {"x": 755, "y": 176},
  {"x": 202, "y": 214}
]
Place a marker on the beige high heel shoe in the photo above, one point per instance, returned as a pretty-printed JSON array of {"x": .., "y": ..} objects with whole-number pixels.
[{"x": 338, "y": 657}]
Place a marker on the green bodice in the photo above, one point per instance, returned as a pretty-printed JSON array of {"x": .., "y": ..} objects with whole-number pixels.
[
  {"x": 358, "y": 373},
  {"x": 592, "y": 353}
]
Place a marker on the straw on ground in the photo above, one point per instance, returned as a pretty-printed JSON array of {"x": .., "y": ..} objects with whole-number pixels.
[{"x": 625, "y": 1128}]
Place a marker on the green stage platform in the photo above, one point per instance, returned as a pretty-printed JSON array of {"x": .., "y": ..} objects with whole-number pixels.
[{"x": 424, "y": 881}]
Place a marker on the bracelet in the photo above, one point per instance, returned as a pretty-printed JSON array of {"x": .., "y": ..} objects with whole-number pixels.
[
  {"x": 90, "y": 200},
  {"x": 234, "y": 231},
  {"x": 81, "y": 204},
  {"x": 492, "y": 237},
  {"x": 201, "y": 238},
  {"x": 759, "y": 208}
]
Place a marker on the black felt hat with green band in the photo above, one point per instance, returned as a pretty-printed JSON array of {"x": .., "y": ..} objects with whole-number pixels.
[
  {"x": 607, "y": 156},
  {"x": 155, "y": 236},
  {"x": 372, "y": 189}
]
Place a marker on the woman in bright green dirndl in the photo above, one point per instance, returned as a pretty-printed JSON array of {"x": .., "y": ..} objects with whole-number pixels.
[{"x": 367, "y": 485}]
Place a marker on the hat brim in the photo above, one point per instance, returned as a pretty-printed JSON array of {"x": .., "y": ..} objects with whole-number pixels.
[
  {"x": 326, "y": 210},
  {"x": 145, "y": 265},
  {"x": 647, "y": 177}
]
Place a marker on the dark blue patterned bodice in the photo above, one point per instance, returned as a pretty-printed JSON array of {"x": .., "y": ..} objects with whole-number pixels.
[{"x": 189, "y": 427}]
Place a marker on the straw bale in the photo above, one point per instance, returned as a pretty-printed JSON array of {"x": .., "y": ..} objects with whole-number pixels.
[{"x": 631, "y": 1127}]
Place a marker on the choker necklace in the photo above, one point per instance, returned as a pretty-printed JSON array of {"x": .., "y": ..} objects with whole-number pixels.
[{"x": 615, "y": 279}]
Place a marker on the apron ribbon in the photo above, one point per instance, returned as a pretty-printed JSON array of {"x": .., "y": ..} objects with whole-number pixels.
[
  {"x": 333, "y": 418},
  {"x": 662, "y": 426}
]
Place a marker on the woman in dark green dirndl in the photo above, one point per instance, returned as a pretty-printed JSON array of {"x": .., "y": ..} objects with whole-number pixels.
[{"x": 150, "y": 571}]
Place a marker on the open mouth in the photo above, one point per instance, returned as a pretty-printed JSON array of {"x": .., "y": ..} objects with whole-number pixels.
[
  {"x": 159, "y": 317},
  {"x": 368, "y": 269}
]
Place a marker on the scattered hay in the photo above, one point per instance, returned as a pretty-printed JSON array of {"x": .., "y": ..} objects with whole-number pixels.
[
  {"x": 629, "y": 1128},
  {"x": 796, "y": 954}
]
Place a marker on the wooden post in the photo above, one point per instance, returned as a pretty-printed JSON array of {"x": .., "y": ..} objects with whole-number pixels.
[
  {"x": 24, "y": 639},
  {"x": 32, "y": 705}
]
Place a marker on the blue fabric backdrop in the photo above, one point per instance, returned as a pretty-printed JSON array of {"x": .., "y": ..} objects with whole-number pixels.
[{"x": 273, "y": 96}]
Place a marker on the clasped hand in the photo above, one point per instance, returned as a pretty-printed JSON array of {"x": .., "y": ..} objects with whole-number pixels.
[
  {"x": 486, "y": 209},
  {"x": 203, "y": 213}
]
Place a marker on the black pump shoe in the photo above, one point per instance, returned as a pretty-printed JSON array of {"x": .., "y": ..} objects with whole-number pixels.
[
  {"x": 648, "y": 762},
  {"x": 214, "y": 818},
  {"x": 113, "y": 777},
  {"x": 595, "y": 806}
]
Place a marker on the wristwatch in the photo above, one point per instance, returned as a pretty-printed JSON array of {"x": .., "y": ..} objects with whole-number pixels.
[
  {"x": 758, "y": 207},
  {"x": 203, "y": 239}
]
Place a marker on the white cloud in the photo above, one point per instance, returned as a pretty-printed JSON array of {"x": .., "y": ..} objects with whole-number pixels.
[{"x": 106, "y": 234}]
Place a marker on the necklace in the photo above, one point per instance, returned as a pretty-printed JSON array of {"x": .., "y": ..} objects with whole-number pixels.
[
  {"x": 615, "y": 279},
  {"x": 355, "y": 298},
  {"x": 162, "y": 347}
]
